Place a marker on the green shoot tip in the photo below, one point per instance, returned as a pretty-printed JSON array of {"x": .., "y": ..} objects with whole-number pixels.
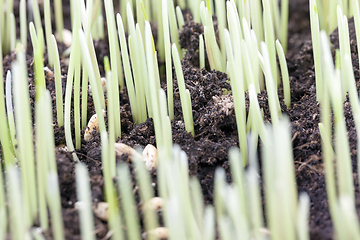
[
  {"x": 106, "y": 64},
  {"x": 144, "y": 11}
]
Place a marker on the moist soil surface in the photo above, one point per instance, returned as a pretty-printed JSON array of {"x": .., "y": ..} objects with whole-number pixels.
[{"x": 214, "y": 123}]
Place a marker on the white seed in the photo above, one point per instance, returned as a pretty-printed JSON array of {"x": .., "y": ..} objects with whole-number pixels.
[
  {"x": 264, "y": 231},
  {"x": 93, "y": 125},
  {"x": 62, "y": 147},
  {"x": 103, "y": 83},
  {"x": 65, "y": 61},
  {"x": 156, "y": 203},
  {"x": 159, "y": 233},
  {"x": 78, "y": 205},
  {"x": 101, "y": 211},
  {"x": 67, "y": 37},
  {"x": 48, "y": 72},
  {"x": 121, "y": 148},
  {"x": 150, "y": 156}
]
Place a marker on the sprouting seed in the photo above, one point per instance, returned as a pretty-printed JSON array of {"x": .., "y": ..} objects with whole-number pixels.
[
  {"x": 121, "y": 148},
  {"x": 150, "y": 156},
  {"x": 93, "y": 125},
  {"x": 159, "y": 233},
  {"x": 48, "y": 72},
  {"x": 101, "y": 211},
  {"x": 156, "y": 203},
  {"x": 78, "y": 205},
  {"x": 67, "y": 37},
  {"x": 103, "y": 84}
]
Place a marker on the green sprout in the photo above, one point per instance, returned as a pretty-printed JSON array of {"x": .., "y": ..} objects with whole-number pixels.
[
  {"x": 270, "y": 41},
  {"x": 238, "y": 175},
  {"x": 9, "y": 27},
  {"x": 48, "y": 32},
  {"x": 257, "y": 20},
  {"x": 281, "y": 201},
  {"x": 237, "y": 86},
  {"x": 9, "y": 108},
  {"x": 140, "y": 18},
  {"x": 127, "y": 69},
  {"x": 98, "y": 31},
  {"x": 52, "y": 188},
  {"x": 23, "y": 24},
  {"x": 111, "y": 117},
  {"x": 58, "y": 84},
  {"x": 180, "y": 17},
  {"x": 130, "y": 214},
  {"x": 37, "y": 20},
  {"x": 85, "y": 205},
  {"x": 221, "y": 17},
  {"x": 174, "y": 26},
  {"x": 41, "y": 160},
  {"x": 74, "y": 59},
  {"x": 194, "y": 7},
  {"x": 284, "y": 73},
  {"x": 137, "y": 55},
  {"x": 123, "y": 9},
  {"x": 342, "y": 144},
  {"x": 18, "y": 224},
  {"x": 333, "y": 95},
  {"x": 184, "y": 93},
  {"x": 153, "y": 98},
  {"x": 213, "y": 51},
  {"x": 158, "y": 12},
  {"x": 274, "y": 104},
  {"x": 169, "y": 79},
  {"x": 93, "y": 82},
  {"x": 201, "y": 52},
  {"x": 116, "y": 65},
  {"x": 59, "y": 21},
  {"x": 166, "y": 124},
  {"x": 146, "y": 193},
  {"x": 76, "y": 96},
  {"x": 12, "y": 32},
  {"x": 109, "y": 188},
  {"x": 5, "y": 137},
  {"x": 25, "y": 150},
  {"x": 314, "y": 21},
  {"x": 344, "y": 46}
]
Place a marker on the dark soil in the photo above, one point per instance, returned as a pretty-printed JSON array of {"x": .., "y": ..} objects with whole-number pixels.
[{"x": 214, "y": 123}]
